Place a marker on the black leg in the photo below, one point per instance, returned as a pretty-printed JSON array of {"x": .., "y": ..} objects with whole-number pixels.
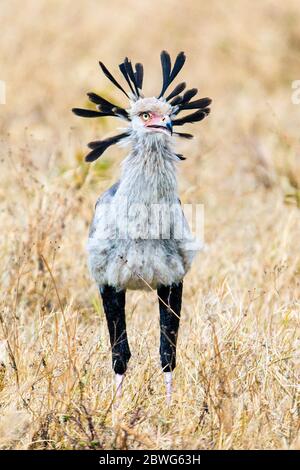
[
  {"x": 169, "y": 309},
  {"x": 114, "y": 307}
]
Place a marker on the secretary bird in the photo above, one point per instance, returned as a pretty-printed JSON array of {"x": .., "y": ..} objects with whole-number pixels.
[{"x": 133, "y": 239}]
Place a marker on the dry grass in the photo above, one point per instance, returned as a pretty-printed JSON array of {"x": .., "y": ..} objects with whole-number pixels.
[{"x": 238, "y": 364}]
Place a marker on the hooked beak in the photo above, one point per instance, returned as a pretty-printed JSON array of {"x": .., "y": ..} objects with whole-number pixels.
[
  {"x": 170, "y": 127},
  {"x": 163, "y": 126}
]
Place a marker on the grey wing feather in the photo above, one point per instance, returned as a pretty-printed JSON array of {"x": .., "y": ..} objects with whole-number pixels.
[
  {"x": 105, "y": 198},
  {"x": 108, "y": 194}
]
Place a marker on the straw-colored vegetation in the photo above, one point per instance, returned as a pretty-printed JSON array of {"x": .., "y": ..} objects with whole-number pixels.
[{"x": 238, "y": 352}]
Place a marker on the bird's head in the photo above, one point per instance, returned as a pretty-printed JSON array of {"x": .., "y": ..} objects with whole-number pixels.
[
  {"x": 151, "y": 115},
  {"x": 147, "y": 115}
]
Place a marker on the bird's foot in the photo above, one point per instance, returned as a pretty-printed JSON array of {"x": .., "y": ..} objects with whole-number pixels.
[{"x": 168, "y": 383}]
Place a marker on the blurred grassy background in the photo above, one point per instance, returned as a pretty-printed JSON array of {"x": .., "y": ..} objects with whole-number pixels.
[{"x": 238, "y": 368}]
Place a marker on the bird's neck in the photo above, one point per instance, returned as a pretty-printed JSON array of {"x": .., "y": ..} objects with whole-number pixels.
[{"x": 149, "y": 173}]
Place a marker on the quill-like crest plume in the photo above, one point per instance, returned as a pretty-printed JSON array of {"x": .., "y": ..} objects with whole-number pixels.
[{"x": 133, "y": 76}]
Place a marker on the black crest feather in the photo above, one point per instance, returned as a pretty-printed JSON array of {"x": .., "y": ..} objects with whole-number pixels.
[
  {"x": 179, "y": 63},
  {"x": 177, "y": 90},
  {"x": 189, "y": 94},
  {"x": 194, "y": 117},
  {"x": 88, "y": 113},
  {"x": 99, "y": 146},
  {"x": 175, "y": 101},
  {"x": 131, "y": 75},
  {"x": 134, "y": 79},
  {"x": 139, "y": 75},
  {"x": 111, "y": 78},
  {"x": 105, "y": 106},
  {"x": 123, "y": 69},
  {"x": 183, "y": 135},
  {"x": 197, "y": 104},
  {"x": 168, "y": 75},
  {"x": 166, "y": 70}
]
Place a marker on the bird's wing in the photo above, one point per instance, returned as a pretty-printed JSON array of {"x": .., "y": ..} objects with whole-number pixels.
[{"x": 105, "y": 198}]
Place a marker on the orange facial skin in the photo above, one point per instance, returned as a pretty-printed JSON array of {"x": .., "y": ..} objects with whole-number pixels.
[{"x": 156, "y": 122}]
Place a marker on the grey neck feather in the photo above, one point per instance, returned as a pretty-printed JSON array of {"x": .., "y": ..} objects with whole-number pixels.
[{"x": 149, "y": 173}]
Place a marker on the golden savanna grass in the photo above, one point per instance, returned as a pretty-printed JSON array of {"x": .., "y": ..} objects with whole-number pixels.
[{"x": 238, "y": 351}]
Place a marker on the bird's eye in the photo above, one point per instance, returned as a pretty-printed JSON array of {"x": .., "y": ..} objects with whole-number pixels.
[{"x": 146, "y": 116}]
